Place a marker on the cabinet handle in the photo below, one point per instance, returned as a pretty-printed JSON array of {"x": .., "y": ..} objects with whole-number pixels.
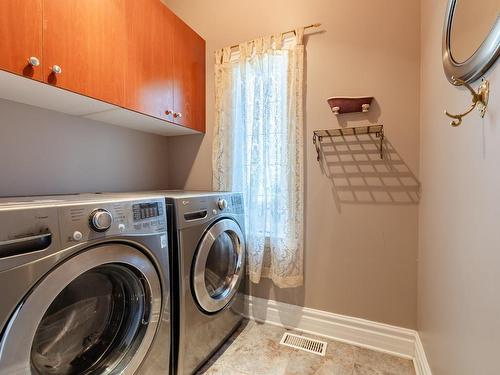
[
  {"x": 56, "y": 69},
  {"x": 33, "y": 61},
  {"x": 168, "y": 112},
  {"x": 177, "y": 114}
]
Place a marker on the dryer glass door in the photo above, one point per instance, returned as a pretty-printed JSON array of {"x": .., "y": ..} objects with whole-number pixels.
[
  {"x": 96, "y": 313},
  {"x": 218, "y": 265}
]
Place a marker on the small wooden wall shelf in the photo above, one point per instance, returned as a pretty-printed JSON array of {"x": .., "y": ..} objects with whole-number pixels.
[
  {"x": 378, "y": 130},
  {"x": 340, "y": 105}
]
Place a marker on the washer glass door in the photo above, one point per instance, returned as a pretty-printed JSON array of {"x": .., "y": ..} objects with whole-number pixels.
[
  {"x": 96, "y": 313},
  {"x": 218, "y": 265},
  {"x": 90, "y": 322}
]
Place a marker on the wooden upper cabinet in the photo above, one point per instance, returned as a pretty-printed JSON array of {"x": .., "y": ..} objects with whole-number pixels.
[
  {"x": 135, "y": 54},
  {"x": 86, "y": 40},
  {"x": 149, "y": 63},
  {"x": 189, "y": 73},
  {"x": 21, "y": 37}
]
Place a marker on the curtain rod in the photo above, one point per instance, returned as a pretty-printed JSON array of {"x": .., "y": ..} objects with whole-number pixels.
[{"x": 288, "y": 32}]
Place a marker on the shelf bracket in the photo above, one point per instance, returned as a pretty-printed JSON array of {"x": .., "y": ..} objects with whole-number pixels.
[
  {"x": 380, "y": 135},
  {"x": 316, "y": 140}
]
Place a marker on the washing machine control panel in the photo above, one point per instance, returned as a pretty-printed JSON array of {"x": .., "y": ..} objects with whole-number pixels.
[{"x": 91, "y": 221}]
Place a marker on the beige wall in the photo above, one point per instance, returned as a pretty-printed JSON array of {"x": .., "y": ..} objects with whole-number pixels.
[
  {"x": 459, "y": 251},
  {"x": 45, "y": 152},
  {"x": 360, "y": 261}
]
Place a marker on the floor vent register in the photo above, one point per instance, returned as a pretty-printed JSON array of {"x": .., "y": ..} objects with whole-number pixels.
[{"x": 304, "y": 343}]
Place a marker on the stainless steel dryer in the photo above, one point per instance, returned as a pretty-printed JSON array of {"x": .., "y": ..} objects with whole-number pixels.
[
  {"x": 208, "y": 248},
  {"x": 84, "y": 286}
]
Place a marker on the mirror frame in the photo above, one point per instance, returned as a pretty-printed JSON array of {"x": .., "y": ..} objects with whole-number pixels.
[{"x": 477, "y": 64}]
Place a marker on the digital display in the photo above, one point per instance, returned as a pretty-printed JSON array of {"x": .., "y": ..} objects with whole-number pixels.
[{"x": 145, "y": 211}]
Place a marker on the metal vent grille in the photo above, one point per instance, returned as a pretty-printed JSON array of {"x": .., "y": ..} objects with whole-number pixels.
[{"x": 304, "y": 343}]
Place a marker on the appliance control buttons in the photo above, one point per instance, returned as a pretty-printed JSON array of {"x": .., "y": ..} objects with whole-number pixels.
[
  {"x": 121, "y": 228},
  {"x": 163, "y": 241},
  {"x": 222, "y": 203},
  {"x": 214, "y": 211},
  {"x": 100, "y": 220},
  {"x": 77, "y": 235}
]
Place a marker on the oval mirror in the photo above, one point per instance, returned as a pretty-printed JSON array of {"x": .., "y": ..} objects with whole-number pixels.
[{"x": 471, "y": 38}]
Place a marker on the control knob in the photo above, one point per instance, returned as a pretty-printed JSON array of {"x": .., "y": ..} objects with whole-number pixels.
[
  {"x": 100, "y": 220},
  {"x": 222, "y": 203}
]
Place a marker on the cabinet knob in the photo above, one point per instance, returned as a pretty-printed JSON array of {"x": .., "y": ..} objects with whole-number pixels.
[
  {"x": 56, "y": 69},
  {"x": 33, "y": 61},
  {"x": 168, "y": 112},
  {"x": 177, "y": 115}
]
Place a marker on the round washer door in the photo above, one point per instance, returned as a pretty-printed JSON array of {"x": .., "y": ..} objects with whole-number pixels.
[
  {"x": 96, "y": 313},
  {"x": 218, "y": 265}
]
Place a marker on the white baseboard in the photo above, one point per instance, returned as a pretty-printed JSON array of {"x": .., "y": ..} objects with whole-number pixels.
[
  {"x": 420, "y": 361},
  {"x": 385, "y": 338}
]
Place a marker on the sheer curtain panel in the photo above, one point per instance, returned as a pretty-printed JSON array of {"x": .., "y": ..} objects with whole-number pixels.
[{"x": 258, "y": 149}]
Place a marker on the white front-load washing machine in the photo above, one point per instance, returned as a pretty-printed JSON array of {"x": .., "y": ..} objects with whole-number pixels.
[
  {"x": 206, "y": 234},
  {"x": 84, "y": 286}
]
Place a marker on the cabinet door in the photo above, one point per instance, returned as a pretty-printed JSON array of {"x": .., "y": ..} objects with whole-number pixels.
[
  {"x": 21, "y": 36},
  {"x": 149, "y": 67},
  {"x": 189, "y": 73},
  {"x": 86, "y": 39}
]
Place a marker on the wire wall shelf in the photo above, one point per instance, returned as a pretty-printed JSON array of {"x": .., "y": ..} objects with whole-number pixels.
[
  {"x": 378, "y": 130},
  {"x": 364, "y": 167}
]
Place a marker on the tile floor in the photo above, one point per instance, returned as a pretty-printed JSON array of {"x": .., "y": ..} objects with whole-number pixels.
[{"x": 254, "y": 349}]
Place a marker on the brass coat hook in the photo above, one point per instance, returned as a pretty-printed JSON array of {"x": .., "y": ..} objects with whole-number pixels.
[{"x": 479, "y": 99}]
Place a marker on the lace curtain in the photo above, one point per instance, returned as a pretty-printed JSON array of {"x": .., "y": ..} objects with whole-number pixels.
[{"x": 258, "y": 150}]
